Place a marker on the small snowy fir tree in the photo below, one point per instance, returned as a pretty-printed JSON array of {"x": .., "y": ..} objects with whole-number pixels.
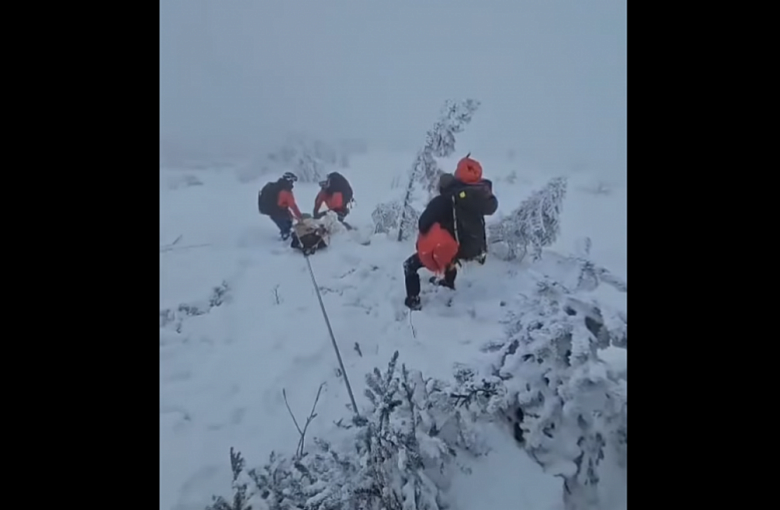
[
  {"x": 385, "y": 217},
  {"x": 400, "y": 458},
  {"x": 394, "y": 449},
  {"x": 536, "y": 223},
  {"x": 424, "y": 173},
  {"x": 240, "y": 483},
  {"x": 566, "y": 407},
  {"x": 440, "y": 141},
  {"x": 388, "y": 215}
]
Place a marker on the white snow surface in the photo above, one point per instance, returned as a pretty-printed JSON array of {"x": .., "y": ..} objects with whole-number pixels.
[{"x": 222, "y": 373}]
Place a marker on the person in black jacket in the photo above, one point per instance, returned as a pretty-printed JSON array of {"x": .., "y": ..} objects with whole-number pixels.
[{"x": 463, "y": 201}]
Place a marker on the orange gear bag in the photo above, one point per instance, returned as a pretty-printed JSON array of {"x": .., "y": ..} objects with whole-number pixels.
[{"x": 436, "y": 249}]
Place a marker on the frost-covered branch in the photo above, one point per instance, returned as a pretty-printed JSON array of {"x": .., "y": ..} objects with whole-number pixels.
[
  {"x": 536, "y": 223},
  {"x": 589, "y": 274},
  {"x": 424, "y": 173}
]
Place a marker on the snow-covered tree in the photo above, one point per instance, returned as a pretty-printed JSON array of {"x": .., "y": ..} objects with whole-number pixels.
[
  {"x": 389, "y": 217},
  {"x": 310, "y": 159},
  {"x": 424, "y": 173},
  {"x": 403, "y": 445},
  {"x": 300, "y": 157},
  {"x": 385, "y": 217},
  {"x": 536, "y": 223},
  {"x": 567, "y": 407}
]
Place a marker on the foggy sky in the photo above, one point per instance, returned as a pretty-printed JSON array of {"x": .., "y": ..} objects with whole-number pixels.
[{"x": 551, "y": 74}]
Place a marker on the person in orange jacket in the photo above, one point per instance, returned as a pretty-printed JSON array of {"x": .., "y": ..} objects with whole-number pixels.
[
  {"x": 336, "y": 194},
  {"x": 276, "y": 201},
  {"x": 451, "y": 229}
]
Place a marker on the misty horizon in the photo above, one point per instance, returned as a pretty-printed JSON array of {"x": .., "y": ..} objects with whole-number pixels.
[{"x": 240, "y": 76}]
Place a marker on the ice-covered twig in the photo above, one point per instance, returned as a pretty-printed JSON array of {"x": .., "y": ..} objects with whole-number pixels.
[{"x": 309, "y": 419}]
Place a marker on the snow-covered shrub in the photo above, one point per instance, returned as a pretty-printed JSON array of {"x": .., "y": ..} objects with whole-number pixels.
[
  {"x": 402, "y": 450},
  {"x": 424, "y": 173},
  {"x": 387, "y": 217},
  {"x": 589, "y": 274},
  {"x": 307, "y": 167},
  {"x": 173, "y": 319},
  {"x": 310, "y": 159},
  {"x": 240, "y": 484},
  {"x": 536, "y": 223},
  {"x": 566, "y": 406}
]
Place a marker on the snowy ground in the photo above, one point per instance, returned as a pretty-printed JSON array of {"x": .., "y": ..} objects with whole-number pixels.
[{"x": 222, "y": 371}]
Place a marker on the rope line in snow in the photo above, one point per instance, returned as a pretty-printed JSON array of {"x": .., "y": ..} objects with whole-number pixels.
[{"x": 332, "y": 338}]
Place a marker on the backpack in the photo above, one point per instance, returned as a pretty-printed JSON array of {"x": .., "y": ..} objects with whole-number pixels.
[
  {"x": 469, "y": 222},
  {"x": 266, "y": 199},
  {"x": 436, "y": 249},
  {"x": 339, "y": 183}
]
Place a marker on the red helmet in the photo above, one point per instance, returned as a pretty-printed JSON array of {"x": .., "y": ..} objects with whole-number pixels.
[{"x": 469, "y": 170}]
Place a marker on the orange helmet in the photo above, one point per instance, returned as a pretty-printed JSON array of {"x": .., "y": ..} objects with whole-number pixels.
[{"x": 468, "y": 171}]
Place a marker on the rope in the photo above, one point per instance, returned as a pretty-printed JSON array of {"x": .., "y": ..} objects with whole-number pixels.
[{"x": 332, "y": 338}]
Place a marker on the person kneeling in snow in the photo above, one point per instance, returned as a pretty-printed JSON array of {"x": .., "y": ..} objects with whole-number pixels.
[
  {"x": 309, "y": 235},
  {"x": 452, "y": 229},
  {"x": 336, "y": 194}
]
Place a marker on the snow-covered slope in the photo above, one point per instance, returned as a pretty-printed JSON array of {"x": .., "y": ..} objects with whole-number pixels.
[{"x": 251, "y": 323}]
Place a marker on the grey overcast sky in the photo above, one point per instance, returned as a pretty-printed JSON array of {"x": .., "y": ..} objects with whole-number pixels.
[{"x": 551, "y": 74}]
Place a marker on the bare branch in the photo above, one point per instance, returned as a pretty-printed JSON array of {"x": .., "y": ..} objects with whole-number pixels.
[
  {"x": 310, "y": 418},
  {"x": 284, "y": 394}
]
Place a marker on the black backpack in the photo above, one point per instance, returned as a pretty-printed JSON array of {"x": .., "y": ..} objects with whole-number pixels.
[
  {"x": 339, "y": 183},
  {"x": 266, "y": 199},
  {"x": 469, "y": 221}
]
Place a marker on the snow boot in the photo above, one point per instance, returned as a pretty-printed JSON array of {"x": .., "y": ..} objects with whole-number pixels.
[
  {"x": 413, "y": 303},
  {"x": 442, "y": 282}
]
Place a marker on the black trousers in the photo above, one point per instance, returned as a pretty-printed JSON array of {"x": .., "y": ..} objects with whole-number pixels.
[
  {"x": 412, "y": 279},
  {"x": 284, "y": 223}
]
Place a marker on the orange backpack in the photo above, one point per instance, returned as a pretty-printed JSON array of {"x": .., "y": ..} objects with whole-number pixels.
[{"x": 436, "y": 249}]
